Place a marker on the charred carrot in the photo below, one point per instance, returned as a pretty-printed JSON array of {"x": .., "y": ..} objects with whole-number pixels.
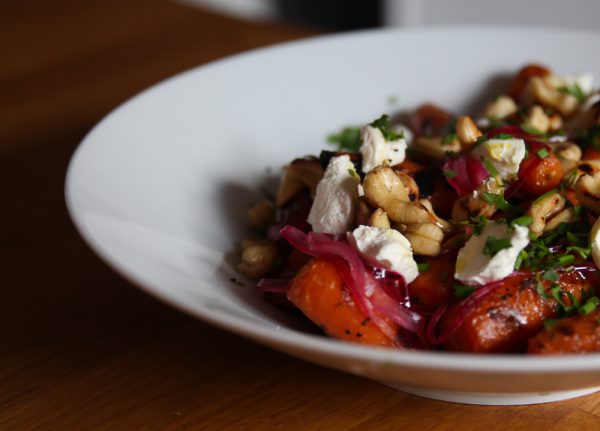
[
  {"x": 318, "y": 291},
  {"x": 433, "y": 286},
  {"x": 504, "y": 320},
  {"x": 577, "y": 334}
]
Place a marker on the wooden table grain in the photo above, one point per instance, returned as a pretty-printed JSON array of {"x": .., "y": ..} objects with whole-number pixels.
[{"x": 80, "y": 348}]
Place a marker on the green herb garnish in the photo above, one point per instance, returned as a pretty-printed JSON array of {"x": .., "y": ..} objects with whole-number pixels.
[
  {"x": 348, "y": 139},
  {"x": 543, "y": 153},
  {"x": 422, "y": 267},
  {"x": 575, "y": 91},
  {"x": 527, "y": 128},
  {"x": 462, "y": 291},
  {"x": 503, "y": 136},
  {"x": 449, "y": 139},
  {"x": 383, "y": 124},
  {"x": 522, "y": 221},
  {"x": 449, "y": 173},
  {"x": 493, "y": 245},
  {"x": 489, "y": 167}
]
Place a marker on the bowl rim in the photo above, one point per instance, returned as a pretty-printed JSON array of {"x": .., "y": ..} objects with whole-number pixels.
[{"x": 288, "y": 339}]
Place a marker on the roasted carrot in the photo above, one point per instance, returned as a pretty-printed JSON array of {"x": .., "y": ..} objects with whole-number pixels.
[
  {"x": 519, "y": 83},
  {"x": 433, "y": 286},
  {"x": 544, "y": 177},
  {"x": 577, "y": 334},
  {"x": 504, "y": 320},
  {"x": 319, "y": 292},
  {"x": 429, "y": 119}
]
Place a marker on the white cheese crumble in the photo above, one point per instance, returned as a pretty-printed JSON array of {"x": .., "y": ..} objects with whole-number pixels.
[
  {"x": 595, "y": 242},
  {"x": 332, "y": 210},
  {"x": 475, "y": 267},
  {"x": 505, "y": 155},
  {"x": 386, "y": 248},
  {"x": 376, "y": 150}
]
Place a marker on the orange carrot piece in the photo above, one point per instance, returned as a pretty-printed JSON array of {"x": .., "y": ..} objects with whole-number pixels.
[
  {"x": 319, "y": 292},
  {"x": 577, "y": 334}
]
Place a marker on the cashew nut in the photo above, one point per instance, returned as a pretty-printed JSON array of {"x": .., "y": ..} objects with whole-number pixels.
[
  {"x": 587, "y": 191},
  {"x": 543, "y": 210},
  {"x": 501, "y": 108},
  {"x": 258, "y": 258},
  {"x": 545, "y": 92},
  {"x": 412, "y": 189},
  {"x": 299, "y": 175},
  {"x": 434, "y": 148},
  {"x": 425, "y": 238},
  {"x": 474, "y": 205},
  {"x": 569, "y": 154},
  {"x": 565, "y": 216},
  {"x": 380, "y": 219},
  {"x": 537, "y": 118},
  {"x": 467, "y": 131}
]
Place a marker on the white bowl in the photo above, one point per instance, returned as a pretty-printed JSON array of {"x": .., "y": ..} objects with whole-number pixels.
[{"x": 159, "y": 189}]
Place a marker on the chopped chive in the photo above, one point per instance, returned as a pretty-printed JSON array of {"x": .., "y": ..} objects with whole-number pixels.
[
  {"x": 549, "y": 323},
  {"x": 422, "y": 267},
  {"x": 589, "y": 306},
  {"x": 543, "y": 153},
  {"x": 449, "y": 173},
  {"x": 462, "y": 291},
  {"x": 522, "y": 221},
  {"x": 494, "y": 245},
  {"x": 527, "y": 128},
  {"x": 542, "y": 197},
  {"x": 489, "y": 167},
  {"x": 550, "y": 275}
]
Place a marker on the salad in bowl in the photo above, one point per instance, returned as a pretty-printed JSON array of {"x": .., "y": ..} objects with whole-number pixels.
[{"x": 435, "y": 231}]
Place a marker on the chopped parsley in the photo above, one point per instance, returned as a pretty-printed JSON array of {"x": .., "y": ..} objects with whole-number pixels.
[
  {"x": 462, "y": 291},
  {"x": 383, "y": 124},
  {"x": 527, "y": 128},
  {"x": 493, "y": 245},
  {"x": 574, "y": 90},
  {"x": 422, "y": 267},
  {"x": 589, "y": 306},
  {"x": 449, "y": 139},
  {"x": 543, "y": 153},
  {"x": 503, "y": 136},
  {"x": 501, "y": 203},
  {"x": 348, "y": 139},
  {"x": 522, "y": 221},
  {"x": 449, "y": 173},
  {"x": 489, "y": 167}
]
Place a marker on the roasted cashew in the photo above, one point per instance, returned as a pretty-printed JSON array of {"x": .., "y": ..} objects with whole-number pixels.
[
  {"x": 383, "y": 187},
  {"x": 299, "y": 175},
  {"x": 425, "y": 238},
  {"x": 587, "y": 190},
  {"x": 545, "y": 92},
  {"x": 258, "y": 258},
  {"x": 565, "y": 216},
  {"x": 434, "y": 148},
  {"x": 543, "y": 210},
  {"x": 569, "y": 154},
  {"x": 474, "y": 205},
  {"x": 467, "y": 131},
  {"x": 537, "y": 118},
  {"x": 410, "y": 185},
  {"x": 380, "y": 219},
  {"x": 500, "y": 108}
]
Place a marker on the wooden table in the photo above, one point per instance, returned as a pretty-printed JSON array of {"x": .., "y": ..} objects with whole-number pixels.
[{"x": 81, "y": 348}]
